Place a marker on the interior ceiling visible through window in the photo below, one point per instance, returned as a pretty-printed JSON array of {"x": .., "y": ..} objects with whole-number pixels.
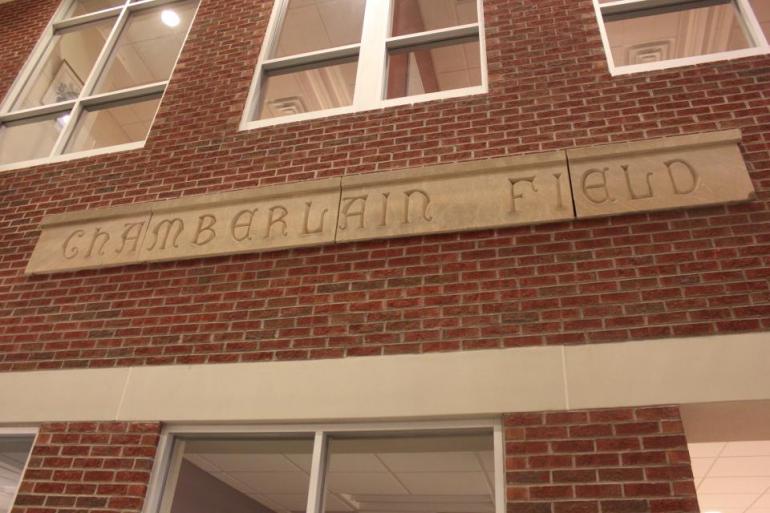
[
  {"x": 431, "y": 481},
  {"x": 732, "y": 477},
  {"x": 311, "y": 25}
]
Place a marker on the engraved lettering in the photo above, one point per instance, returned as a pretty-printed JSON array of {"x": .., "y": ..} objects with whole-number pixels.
[
  {"x": 694, "y": 178},
  {"x": 66, "y": 246},
  {"x": 633, "y": 194},
  {"x": 127, "y": 236},
  {"x": 305, "y": 228},
  {"x": 425, "y": 205},
  {"x": 529, "y": 179},
  {"x": 105, "y": 237},
  {"x": 272, "y": 220},
  {"x": 206, "y": 231},
  {"x": 385, "y": 201},
  {"x": 239, "y": 224},
  {"x": 348, "y": 204},
  {"x": 559, "y": 199},
  {"x": 595, "y": 186},
  {"x": 169, "y": 225}
]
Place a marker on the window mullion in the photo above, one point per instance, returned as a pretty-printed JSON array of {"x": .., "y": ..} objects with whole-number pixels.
[
  {"x": 433, "y": 36},
  {"x": 310, "y": 58},
  {"x": 38, "y": 111},
  {"x": 87, "y": 18},
  {"x": 124, "y": 94},
  {"x": 14, "y": 96},
  {"x": 370, "y": 78},
  {"x": 90, "y": 83},
  {"x": 315, "y": 496},
  {"x": 104, "y": 56},
  {"x": 757, "y": 35},
  {"x": 499, "y": 462},
  {"x": 66, "y": 132}
]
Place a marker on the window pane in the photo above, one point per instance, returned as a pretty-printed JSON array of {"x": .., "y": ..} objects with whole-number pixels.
[
  {"x": 30, "y": 139},
  {"x": 80, "y": 7},
  {"x": 762, "y": 10},
  {"x": 13, "y": 457},
  {"x": 147, "y": 47},
  {"x": 311, "y": 25},
  {"x": 66, "y": 65},
  {"x": 244, "y": 476},
  {"x": 452, "y": 473},
  {"x": 112, "y": 125},
  {"x": 320, "y": 88},
  {"x": 410, "y": 16},
  {"x": 680, "y": 32},
  {"x": 413, "y": 71}
]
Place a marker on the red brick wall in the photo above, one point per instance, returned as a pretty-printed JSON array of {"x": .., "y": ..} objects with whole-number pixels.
[
  {"x": 609, "y": 461},
  {"x": 89, "y": 467},
  {"x": 687, "y": 272}
]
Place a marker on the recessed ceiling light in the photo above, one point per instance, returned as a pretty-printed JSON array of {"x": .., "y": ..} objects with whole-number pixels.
[
  {"x": 63, "y": 120},
  {"x": 170, "y": 18}
]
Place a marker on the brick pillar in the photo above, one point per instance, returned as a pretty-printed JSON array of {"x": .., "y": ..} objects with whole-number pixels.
[
  {"x": 89, "y": 467},
  {"x": 630, "y": 460}
]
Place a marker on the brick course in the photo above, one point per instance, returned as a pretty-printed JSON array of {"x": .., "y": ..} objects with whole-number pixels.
[
  {"x": 628, "y": 460},
  {"x": 87, "y": 467},
  {"x": 687, "y": 272}
]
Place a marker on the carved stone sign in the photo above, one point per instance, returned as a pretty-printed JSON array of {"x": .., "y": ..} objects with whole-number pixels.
[
  {"x": 660, "y": 174},
  {"x": 675, "y": 172},
  {"x": 481, "y": 194},
  {"x": 277, "y": 217}
]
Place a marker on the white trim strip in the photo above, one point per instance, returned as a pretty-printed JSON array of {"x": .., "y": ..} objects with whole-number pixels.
[
  {"x": 451, "y": 385},
  {"x": 315, "y": 496}
]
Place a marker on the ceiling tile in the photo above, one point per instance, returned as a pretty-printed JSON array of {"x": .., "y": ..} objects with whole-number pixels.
[
  {"x": 700, "y": 466},
  {"x": 719, "y": 501},
  {"x": 764, "y": 501},
  {"x": 487, "y": 460},
  {"x": 251, "y": 462},
  {"x": 201, "y": 462},
  {"x": 445, "y": 483},
  {"x": 705, "y": 450},
  {"x": 291, "y": 502},
  {"x": 302, "y": 461},
  {"x": 741, "y": 466},
  {"x": 275, "y": 482},
  {"x": 363, "y": 483},
  {"x": 758, "y": 448},
  {"x": 355, "y": 463},
  {"x": 431, "y": 461},
  {"x": 755, "y": 485}
]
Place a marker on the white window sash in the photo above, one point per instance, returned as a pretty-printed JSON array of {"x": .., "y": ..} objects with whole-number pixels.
[
  {"x": 21, "y": 431},
  {"x": 165, "y": 470},
  {"x": 747, "y": 17},
  {"x": 87, "y": 98},
  {"x": 371, "y": 74}
]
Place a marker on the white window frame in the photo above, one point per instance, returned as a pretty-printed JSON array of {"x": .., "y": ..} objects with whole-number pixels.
[
  {"x": 171, "y": 447},
  {"x": 371, "y": 76},
  {"x": 754, "y": 33},
  {"x": 12, "y": 432},
  {"x": 87, "y": 98}
]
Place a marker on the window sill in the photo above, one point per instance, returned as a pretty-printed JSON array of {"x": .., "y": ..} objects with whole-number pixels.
[
  {"x": 687, "y": 61},
  {"x": 320, "y": 114},
  {"x": 72, "y": 156}
]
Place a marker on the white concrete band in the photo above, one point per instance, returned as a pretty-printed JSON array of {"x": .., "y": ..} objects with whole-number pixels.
[{"x": 445, "y": 385}]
